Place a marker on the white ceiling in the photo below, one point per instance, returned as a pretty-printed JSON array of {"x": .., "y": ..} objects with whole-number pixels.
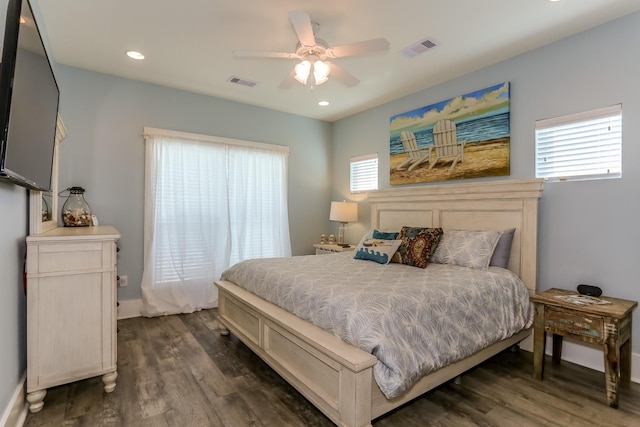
[{"x": 189, "y": 43}]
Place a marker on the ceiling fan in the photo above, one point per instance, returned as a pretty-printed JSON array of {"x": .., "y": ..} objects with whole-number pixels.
[{"x": 314, "y": 52}]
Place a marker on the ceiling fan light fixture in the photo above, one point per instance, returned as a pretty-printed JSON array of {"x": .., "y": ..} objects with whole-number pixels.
[
  {"x": 302, "y": 71},
  {"x": 320, "y": 72}
]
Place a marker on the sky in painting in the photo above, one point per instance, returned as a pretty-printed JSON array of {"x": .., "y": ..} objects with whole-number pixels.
[{"x": 462, "y": 107}]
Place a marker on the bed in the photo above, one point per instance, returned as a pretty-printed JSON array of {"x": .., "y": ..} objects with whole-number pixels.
[{"x": 338, "y": 378}]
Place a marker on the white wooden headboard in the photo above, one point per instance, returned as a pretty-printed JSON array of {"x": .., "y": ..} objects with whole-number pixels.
[{"x": 491, "y": 205}]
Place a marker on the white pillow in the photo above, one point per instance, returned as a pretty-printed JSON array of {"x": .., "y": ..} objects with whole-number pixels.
[{"x": 471, "y": 249}]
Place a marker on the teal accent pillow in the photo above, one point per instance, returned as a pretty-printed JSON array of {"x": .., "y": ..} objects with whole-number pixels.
[
  {"x": 385, "y": 235},
  {"x": 378, "y": 250}
]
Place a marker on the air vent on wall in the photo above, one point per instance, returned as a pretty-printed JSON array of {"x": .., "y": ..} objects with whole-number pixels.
[
  {"x": 243, "y": 82},
  {"x": 417, "y": 48}
]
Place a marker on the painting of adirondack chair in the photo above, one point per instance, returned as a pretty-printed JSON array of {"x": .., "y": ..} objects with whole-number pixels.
[
  {"x": 464, "y": 137},
  {"x": 415, "y": 156},
  {"x": 446, "y": 144}
]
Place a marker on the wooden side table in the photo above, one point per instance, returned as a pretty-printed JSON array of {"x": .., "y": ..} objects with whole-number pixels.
[
  {"x": 608, "y": 325},
  {"x": 323, "y": 249}
]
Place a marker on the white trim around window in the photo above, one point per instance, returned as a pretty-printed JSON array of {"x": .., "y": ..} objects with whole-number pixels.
[
  {"x": 149, "y": 132},
  {"x": 586, "y": 145},
  {"x": 363, "y": 173}
]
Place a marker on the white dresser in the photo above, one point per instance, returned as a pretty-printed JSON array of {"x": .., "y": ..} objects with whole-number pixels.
[{"x": 71, "y": 308}]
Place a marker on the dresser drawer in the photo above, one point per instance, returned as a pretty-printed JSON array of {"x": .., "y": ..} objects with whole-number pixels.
[
  {"x": 59, "y": 258},
  {"x": 563, "y": 322}
]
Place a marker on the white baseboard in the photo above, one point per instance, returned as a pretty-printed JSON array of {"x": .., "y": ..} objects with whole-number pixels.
[
  {"x": 16, "y": 412},
  {"x": 129, "y": 308},
  {"x": 583, "y": 355}
]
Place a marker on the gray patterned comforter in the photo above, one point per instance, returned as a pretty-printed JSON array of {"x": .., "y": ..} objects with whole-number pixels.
[{"x": 413, "y": 320}]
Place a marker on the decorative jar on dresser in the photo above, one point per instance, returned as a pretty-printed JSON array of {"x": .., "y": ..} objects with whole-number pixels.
[{"x": 71, "y": 308}]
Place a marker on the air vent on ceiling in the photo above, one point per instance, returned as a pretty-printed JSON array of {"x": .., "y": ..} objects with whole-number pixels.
[
  {"x": 417, "y": 48},
  {"x": 243, "y": 82}
]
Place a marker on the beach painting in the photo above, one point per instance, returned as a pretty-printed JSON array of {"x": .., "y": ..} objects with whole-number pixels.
[{"x": 464, "y": 137}]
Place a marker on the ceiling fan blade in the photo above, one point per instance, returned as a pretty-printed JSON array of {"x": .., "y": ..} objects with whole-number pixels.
[
  {"x": 288, "y": 81},
  {"x": 302, "y": 25},
  {"x": 262, "y": 54},
  {"x": 358, "y": 48},
  {"x": 342, "y": 76}
]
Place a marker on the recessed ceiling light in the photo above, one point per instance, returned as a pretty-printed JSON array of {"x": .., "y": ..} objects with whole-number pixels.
[
  {"x": 323, "y": 103},
  {"x": 134, "y": 54}
]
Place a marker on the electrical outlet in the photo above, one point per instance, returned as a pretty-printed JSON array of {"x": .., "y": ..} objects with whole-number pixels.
[{"x": 124, "y": 281}]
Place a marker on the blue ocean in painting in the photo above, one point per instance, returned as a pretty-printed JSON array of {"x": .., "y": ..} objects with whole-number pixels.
[{"x": 472, "y": 130}]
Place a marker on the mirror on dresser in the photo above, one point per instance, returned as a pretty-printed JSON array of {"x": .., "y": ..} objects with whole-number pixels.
[{"x": 43, "y": 205}]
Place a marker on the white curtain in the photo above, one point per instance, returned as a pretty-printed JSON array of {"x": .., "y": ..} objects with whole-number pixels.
[{"x": 209, "y": 203}]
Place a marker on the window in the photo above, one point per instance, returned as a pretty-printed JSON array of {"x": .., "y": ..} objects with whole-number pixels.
[
  {"x": 364, "y": 173},
  {"x": 209, "y": 203},
  {"x": 580, "y": 146}
]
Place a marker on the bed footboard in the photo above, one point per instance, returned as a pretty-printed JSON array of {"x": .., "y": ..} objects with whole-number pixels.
[{"x": 334, "y": 376}]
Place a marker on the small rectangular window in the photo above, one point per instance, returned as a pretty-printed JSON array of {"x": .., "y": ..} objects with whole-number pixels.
[
  {"x": 580, "y": 146},
  {"x": 364, "y": 173}
]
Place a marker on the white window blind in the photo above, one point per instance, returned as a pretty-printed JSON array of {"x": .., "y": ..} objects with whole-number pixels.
[
  {"x": 364, "y": 173},
  {"x": 586, "y": 145}
]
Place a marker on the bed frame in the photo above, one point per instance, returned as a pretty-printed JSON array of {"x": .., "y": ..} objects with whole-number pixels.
[{"x": 337, "y": 377}]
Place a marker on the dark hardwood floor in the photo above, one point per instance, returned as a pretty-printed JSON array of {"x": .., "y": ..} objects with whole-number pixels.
[{"x": 178, "y": 371}]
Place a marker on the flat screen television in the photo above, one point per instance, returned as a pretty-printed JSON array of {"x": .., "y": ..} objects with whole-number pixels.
[{"x": 29, "y": 97}]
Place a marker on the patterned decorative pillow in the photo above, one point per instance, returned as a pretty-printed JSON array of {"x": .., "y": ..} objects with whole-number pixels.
[
  {"x": 385, "y": 235},
  {"x": 471, "y": 249},
  {"x": 418, "y": 244},
  {"x": 378, "y": 250}
]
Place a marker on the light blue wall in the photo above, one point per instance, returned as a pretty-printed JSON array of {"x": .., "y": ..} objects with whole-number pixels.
[
  {"x": 104, "y": 152},
  {"x": 589, "y": 230},
  {"x": 13, "y": 230}
]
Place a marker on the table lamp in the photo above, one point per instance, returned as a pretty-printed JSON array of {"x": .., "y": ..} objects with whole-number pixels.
[{"x": 343, "y": 212}]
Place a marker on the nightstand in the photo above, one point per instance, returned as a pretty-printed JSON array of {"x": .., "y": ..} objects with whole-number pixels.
[
  {"x": 608, "y": 325},
  {"x": 323, "y": 249}
]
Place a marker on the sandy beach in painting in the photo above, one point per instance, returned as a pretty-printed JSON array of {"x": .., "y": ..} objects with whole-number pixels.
[{"x": 481, "y": 159}]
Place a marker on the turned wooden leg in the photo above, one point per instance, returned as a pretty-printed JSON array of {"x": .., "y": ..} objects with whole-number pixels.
[
  {"x": 539, "y": 341},
  {"x": 109, "y": 380},
  {"x": 36, "y": 400}
]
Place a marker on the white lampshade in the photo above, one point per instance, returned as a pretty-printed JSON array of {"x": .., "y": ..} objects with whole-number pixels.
[
  {"x": 302, "y": 71},
  {"x": 344, "y": 211},
  {"x": 320, "y": 72}
]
